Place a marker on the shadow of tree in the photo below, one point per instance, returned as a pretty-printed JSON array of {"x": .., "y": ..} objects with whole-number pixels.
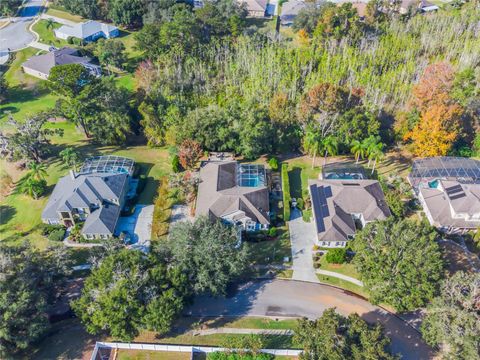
[{"x": 7, "y": 212}]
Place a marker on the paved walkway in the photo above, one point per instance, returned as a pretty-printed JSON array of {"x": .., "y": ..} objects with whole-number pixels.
[
  {"x": 340, "y": 276},
  {"x": 40, "y": 46},
  {"x": 227, "y": 330},
  {"x": 302, "y": 237},
  {"x": 288, "y": 298}
]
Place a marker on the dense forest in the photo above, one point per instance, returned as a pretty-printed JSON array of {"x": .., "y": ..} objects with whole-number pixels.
[{"x": 248, "y": 93}]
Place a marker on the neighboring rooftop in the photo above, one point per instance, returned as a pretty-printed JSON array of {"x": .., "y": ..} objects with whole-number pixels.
[
  {"x": 44, "y": 63},
  {"x": 464, "y": 170},
  {"x": 290, "y": 10},
  {"x": 107, "y": 164},
  {"x": 86, "y": 29},
  {"x": 452, "y": 205},
  {"x": 338, "y": 203},
  {"x": 227, "y": 187}
]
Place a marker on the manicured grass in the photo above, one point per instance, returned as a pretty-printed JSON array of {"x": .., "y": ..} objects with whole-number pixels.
[
  {"x": 126, "y": 81},
  {"x": 342, "y": 284},
  {"x": 59, "y": 12},
  {"x": 47, "y": 35},
  {"x": 270, "y": 341},
  {"x": 299, "y": 171},
  {"x": 25, "y": 219},
  {"x": 271, "y": 251},
  {"x": 345, "y": 269},
  {"x": 151, "y": 355},
  {"x": 26, "y": 94}
]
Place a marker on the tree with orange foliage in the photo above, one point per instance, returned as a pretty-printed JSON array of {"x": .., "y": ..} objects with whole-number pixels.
[
  {"x": 189, "y": 153},
  {"x": 436, "y": 131},
  {"x": 434, "y": 86},
  {"x": 303, "y": 37}
]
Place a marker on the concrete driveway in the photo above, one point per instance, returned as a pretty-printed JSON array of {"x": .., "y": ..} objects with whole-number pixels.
[
  {"x": 16, "y": 36},
  {"x": 288, "y": 298},
  {"x": 302, "y": 237},
  {"x": 139, "y": 225}
]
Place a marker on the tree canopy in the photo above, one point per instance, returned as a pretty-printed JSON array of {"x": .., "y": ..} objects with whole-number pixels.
[
  {"x": 29, "y": 279},
  {"x": 335, "y": 337},
  {"x": 452, "y": 320},
  {"x": 129, "y": 291},
  {"x": 214, "y": 258},
  {"x": 400, "y": 262}
]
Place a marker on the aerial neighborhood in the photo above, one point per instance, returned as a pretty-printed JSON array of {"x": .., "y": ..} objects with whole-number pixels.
[{"x": 248, "y": 179}]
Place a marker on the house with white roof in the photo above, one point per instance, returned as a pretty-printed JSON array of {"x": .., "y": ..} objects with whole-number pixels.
[{"x": 87, "y": 31}]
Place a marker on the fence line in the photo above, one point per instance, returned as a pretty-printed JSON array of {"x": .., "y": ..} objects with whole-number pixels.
[{"x": 178, "y": 348}]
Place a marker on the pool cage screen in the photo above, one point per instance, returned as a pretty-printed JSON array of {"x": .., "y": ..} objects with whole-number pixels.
[
  {"x": 464, "y": 170},
  {"x": 250, "y": 175},
  {"x": 107, "y": 164}
]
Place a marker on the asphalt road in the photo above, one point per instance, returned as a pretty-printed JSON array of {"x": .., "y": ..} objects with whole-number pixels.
[
  {"x": 288, "y": 298},
  {"x": 16, "y": 36}
]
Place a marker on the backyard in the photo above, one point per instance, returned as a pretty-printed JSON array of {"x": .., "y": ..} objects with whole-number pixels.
[{"x": 45, "y": 30}]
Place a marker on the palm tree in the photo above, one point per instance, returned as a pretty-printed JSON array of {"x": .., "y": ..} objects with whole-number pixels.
[
  {"x": 49, "y": 23},
  {"x": 330, "y": 146},
  {"x": 70, "y": 157},
  {"x": 376, "y": 154},
  {"x": 312, "y": 143},
  {"x": 37, "y": 171},
  {"x": 357, "y": 149},
  {"x": 369, "y": 144},
  {"x": 32, "y": 187}
]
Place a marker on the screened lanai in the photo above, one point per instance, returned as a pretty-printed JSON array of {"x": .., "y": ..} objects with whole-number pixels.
[
  {"x": 464, "y": 170},
  {"x": 107, "y": 163}
]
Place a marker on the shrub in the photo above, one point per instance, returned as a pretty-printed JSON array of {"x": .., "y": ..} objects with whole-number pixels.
[
  {"x": 56, "y": 235},
  {"x": 47, "y": 229},
  {"x": 176, "y": 164},
  {"x": 70, "y": 40},
  {"x": 286, "y": 193},
  {"x": 300, "y": 204},
  {"x": 142, "y": 182},
  {"x": 336, "y": 256},
  {"x": 272, "y": 232},
  {"x": 273, "y": 163}
]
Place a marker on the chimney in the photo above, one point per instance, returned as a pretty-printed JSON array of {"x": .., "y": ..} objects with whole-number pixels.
[{"x": 72, "y": 174}]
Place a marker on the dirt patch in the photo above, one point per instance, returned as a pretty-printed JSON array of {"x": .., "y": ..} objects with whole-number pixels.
[{"x": 455, "y": 258}]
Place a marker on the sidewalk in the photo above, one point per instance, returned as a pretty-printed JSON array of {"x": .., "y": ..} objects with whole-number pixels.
[
  {"x": 226, "y": 330},
  {"x": 340, "y": 276}
]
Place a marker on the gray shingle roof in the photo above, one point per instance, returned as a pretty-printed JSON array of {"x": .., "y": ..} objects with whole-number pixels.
[
  {"x": 86, "y": 191},
  {"x": 334, "y": 202},
  {"x": 102, "y": 220},
  {"x": 44, "y": 63},
  {"x": 219, "y": 195}
]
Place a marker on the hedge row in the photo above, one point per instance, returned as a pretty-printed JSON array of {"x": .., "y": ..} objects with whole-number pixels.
[{"x": 286, "y": 193}]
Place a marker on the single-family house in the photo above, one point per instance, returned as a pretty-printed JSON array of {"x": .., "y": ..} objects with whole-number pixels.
[
  {"x": 423, "y": 6},
  {"x": 255, "y": 8},
  {"x": 451, "y": 206},
  {"x": 449, "y": 190},
  {"x": 95, "y": 197},
  {"x": 234, "y": 193},
  {"x": 87, "y": 31},
  {"x": 340, "y": 207},
  {"x": 290, "y": 10},
  {"x": 40, "y": 65}
]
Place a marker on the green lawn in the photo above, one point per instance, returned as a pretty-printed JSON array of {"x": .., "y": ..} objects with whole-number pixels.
[
  {"x": 47, "y": 35},
  {"x": 26, "y": 94},
  {"x": 342, "y": 284},
  {"x": 262, "y": 323},
  {"x": 61, "y": 13},
  {"x": 345, "y": 269},
  {"x": 299, "y": 171},
  {"x": 151, "y": 355},
  {"x": 271, "y": 251}
]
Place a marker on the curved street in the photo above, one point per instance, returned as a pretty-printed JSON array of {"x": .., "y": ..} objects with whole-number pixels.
[
  {"x": 290, "y": 298},
  {"x": 15, "y": 36}
]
